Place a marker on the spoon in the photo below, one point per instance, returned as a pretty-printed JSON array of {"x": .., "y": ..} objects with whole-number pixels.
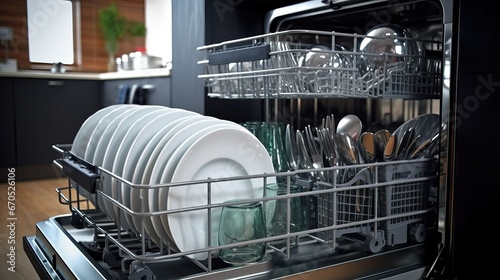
[
  {"x": 367, "y": 147},
  {"x": 381, "y": 138},
  {"x": 350, "y": 154},
  {"x": 347, "y": 148},
  {"x": 347, "y": 151},
  {"x": 368, "y": 152},
  {"x": 351, "y": 125},
  {"x": 390, "y": 148}
]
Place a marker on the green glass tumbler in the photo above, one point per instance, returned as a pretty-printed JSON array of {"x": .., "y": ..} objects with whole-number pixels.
[
  {"x": 242, "y": 222},
  {"x": 282, "y": 207}
]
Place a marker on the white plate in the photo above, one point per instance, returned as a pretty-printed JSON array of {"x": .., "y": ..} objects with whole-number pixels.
[
  {"x": 82, "y": 137},
  {"x": 151, "y": 175},
  {"x": 182, "y": 139},
  {"x": 143, "y": 144},
  {"x": 101, "y": 128},
  {"x": 121, "y": 155},
  {"x": 103, "y": 133},
  {"x": 187, "y": 137},
  {"x": 83, "y": 141},
  {"x": 224, "y": 152},
  {"x": 111, "y": 151},
  {"x": 172, "y": 154}
]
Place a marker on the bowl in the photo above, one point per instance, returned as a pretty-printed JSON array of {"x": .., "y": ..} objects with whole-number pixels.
[
  {"x": 321, "y": 56},
  {"x": 388, "y": 47},
  {"x": 324, "y": 69}
]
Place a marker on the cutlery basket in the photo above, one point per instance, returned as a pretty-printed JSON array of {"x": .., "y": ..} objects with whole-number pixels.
[
  {"x": 351, "y": 208},
  {"x": 403, "y": 196},
  {"x": 276, "y": 65},
  {"x": 399, "y": 200}
]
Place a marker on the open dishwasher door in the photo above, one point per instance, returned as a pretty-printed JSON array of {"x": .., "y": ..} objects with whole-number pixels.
[{"x": 88, "y": 244}]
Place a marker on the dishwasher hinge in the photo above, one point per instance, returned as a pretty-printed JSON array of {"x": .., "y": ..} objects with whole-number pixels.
[{"x": 438, "y": 270}]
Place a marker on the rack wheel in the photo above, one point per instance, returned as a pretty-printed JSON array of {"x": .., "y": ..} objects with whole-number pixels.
[
  {"x": 93, "y": 248},
  {"x": 418, "y": 232},
  {"x": 141, "y": 273},
  {"x": 374, "y": 245},
  {"x": 112, "y": 258}
]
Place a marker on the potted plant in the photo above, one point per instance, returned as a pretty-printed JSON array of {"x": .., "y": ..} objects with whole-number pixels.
[{"x": 113, "y": 27}]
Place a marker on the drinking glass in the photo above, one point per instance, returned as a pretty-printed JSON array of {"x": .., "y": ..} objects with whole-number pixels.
[
  {"x": 273, "y": 139},
  {"x": 254, "y": 127},
  {"x": 242, "y": 222},
  {"x": 271, "y": 134},
  {"x": 279, "y": 221}
]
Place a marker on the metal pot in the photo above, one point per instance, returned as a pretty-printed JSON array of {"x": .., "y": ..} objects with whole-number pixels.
[{"x": 137, "y": 61}]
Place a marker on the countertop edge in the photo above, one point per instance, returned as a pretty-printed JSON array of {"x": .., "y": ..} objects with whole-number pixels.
[{"x": 146, "y": 73}]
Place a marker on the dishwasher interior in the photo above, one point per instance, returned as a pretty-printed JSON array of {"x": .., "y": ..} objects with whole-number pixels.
[{"x": 378, "y": 219}]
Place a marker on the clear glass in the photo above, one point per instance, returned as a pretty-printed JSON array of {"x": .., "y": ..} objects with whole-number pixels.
[
  {"x": 242, "y": 222},
  {"x": 273, "y": 137},
  {"x": 271, "y": 134},
  {"x": 279, "y": 221}
]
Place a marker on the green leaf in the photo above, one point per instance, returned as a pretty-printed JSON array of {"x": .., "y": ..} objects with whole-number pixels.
[
  {"x": 137, "y": 29},
  {"x": 113, "y": 25}
]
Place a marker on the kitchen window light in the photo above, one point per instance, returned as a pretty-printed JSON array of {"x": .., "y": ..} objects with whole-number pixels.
[{"x": 51, "y": 31}]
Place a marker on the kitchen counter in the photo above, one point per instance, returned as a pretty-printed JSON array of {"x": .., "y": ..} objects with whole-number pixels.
[{"x": 158, "y": 72}]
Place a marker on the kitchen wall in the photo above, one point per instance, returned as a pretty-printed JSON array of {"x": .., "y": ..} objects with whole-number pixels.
[{"x": 13, "y": 13}]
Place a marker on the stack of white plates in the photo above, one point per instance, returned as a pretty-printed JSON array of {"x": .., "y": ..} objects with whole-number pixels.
[{"x": 152, "y": 145}]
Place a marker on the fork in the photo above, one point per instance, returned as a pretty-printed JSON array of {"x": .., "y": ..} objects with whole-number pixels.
[
  {"x": 291, "y": 147},
  {"x": 314, "y": 151},
  {"x": 328, "y": 147},
  {"x": 330, "y": 124}
]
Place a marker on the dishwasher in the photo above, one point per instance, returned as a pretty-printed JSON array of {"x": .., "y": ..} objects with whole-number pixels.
[{"x": 315, "y": 64}]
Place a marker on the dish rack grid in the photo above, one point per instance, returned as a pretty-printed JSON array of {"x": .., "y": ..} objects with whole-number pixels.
[
  {"x": 272, "y": 66},
  {"x": 383, "y": 204}
]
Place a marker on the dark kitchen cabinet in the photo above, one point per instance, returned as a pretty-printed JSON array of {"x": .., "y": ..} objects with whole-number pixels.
[
  {"x": 7, "y": 127},
  {"x": 48, "y": 112},
  {"x": 157, "y": 90}
]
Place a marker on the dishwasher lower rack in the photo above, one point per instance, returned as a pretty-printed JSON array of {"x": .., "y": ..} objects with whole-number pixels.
[
  {"x": 375, "y": 214},
  {"x": 311, "y": 63}
]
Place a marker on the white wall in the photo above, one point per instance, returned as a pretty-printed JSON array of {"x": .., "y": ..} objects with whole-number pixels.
[{"x": 159, "y": 28}]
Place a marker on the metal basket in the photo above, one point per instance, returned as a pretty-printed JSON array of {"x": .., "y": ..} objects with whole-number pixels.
[
  {"x": 400, "y": 200},
  {"x": 404, "y": 197},
  {"x": 271, "y": 66}
]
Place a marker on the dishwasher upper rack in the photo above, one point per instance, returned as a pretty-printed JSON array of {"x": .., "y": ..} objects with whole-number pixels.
[
  {"x": 370, "y": 229},
  {"x": 271, "y": 66}
]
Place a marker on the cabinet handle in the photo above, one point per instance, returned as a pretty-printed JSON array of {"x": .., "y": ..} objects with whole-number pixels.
[{"x": 56, "y": 83}]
